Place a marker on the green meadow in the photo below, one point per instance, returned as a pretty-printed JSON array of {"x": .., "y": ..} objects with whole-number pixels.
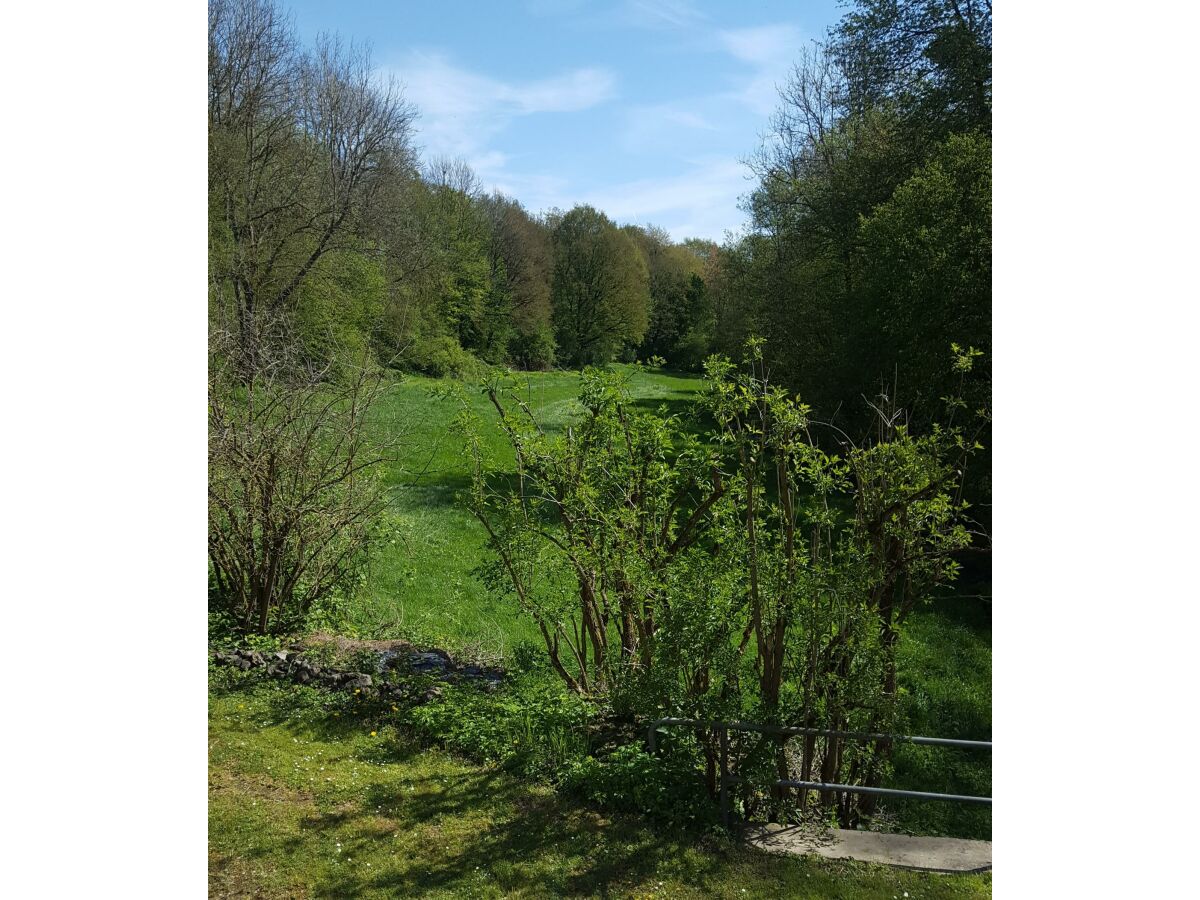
[{"x": 424, "y": 586}]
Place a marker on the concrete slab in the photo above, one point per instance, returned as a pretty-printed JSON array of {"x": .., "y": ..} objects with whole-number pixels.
[{"x": 934, "y": 854}]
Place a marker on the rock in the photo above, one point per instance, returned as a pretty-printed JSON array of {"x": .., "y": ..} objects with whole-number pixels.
[
  {"x": 301, "y": 671},
  {"x": 428, "y": 663},
  {"x": 388, "y": 659},
  {"x": 436, "y": 664}
]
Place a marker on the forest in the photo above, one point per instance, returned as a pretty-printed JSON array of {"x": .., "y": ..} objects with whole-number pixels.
[
  {"x": 868, "y": 252},
  {"x": 636, "y": 476}
]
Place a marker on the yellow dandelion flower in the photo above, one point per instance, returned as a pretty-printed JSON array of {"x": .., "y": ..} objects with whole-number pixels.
[{"x": 372, "y": 734}]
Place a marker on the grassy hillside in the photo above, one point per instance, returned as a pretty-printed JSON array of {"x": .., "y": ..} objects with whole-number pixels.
[
  {"x": 423, "y": 586},
  {"x": 304, "y": 801}
]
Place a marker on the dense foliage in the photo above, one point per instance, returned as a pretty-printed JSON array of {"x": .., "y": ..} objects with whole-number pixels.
[
  {"x": 322, "y": 216},
  {"x": 744, "y": 573},
  {"x": 600, "y": 289}
]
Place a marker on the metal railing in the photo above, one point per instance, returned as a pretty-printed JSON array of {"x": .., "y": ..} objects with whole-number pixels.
[{"x": 727, "y": 778}]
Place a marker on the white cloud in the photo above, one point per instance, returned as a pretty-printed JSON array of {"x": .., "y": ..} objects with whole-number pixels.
[
  {"x": 763, "y": 45},
  {"x": 537, "y": 192},
  {"x": 462, "y": 110},
  {"x": 565, "y": 93},
  {"x": 770, "y": 51},
  {"x": 663, "y": 127},
  {"x": 699, "y": 202},
  {"x": 662, "y": 13}
]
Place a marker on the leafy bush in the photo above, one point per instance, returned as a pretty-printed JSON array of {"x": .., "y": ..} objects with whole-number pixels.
[
  {"x": 443, "y": 356},
  {"x": 668, "y": 788},
  {"x": 533, "y": 352},
  {"x": 676, "y": 552},
  {"x": 338, "y": 309},
  {"x": 532, "y": 726},
  {"x": 692, "y": 350},
  {"x": 529, "y": 657}
]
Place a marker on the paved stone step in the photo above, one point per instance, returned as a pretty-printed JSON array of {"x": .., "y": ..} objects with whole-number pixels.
[{"x": 935, "y": 854}]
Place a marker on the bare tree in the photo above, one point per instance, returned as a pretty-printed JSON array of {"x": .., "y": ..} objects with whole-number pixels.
[
  {"x": 300, "y": 146},
  {"x": 293, "y": 487},
  {"x": 454, "y": 173},
  {"x": 251, "y": 56},
  {"x": 798, "y": 143}
]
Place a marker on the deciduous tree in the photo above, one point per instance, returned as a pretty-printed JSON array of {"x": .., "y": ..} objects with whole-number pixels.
[{"x": 600, "y": 290}]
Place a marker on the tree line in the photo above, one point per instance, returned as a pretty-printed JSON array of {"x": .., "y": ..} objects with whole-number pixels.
[
  {"x": 326, "y": 227},
  {"x": 867, "y": 255}
]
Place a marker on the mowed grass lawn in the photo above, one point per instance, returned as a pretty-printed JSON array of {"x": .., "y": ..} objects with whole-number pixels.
[
  {"x": 306, "y": 803},
  {"x": 424, "y": 585}
]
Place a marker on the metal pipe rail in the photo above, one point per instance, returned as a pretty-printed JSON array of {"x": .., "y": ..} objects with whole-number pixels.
[
  {"x": 887, "y": 792},
  {"x": 728, "y": 779},
  {"x": 819, "y": 732}
]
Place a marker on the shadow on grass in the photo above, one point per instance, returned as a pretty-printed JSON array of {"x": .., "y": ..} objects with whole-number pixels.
[
  {"x": 325, "y": 714},
  {"x": 525, "y": 841},
  {"x": 445, "y": 489},
  {"x": 683, "y": 407}
]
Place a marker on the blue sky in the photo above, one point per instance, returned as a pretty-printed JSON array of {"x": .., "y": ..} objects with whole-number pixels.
[{"x": 642, "y": 108}]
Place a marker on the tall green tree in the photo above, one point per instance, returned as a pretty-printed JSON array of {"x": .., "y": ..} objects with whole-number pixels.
[
  {"x": 931, "y": 58},
  {"x": 521, "y": 256},
  {"x": 679, "y": 327},
  {"x": 871, "y": 246},
  {"x": 926, "y": 263},
  {"x": 600, "y": 292}
]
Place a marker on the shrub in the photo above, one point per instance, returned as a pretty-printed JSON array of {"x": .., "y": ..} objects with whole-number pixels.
[
  {"x": 293, "y": 484},
  {"x": 681, "y": 556},
  {"x": 692, "y": 350},
  {"x": 442, "y": 356},
  {"x": 533, "y": 352},
  {"x": 668, "y": 788},
  {"x": 532, "y": 725}
]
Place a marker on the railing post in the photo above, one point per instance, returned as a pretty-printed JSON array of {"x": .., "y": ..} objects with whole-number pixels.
[{"x": 724, "y": 776}]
